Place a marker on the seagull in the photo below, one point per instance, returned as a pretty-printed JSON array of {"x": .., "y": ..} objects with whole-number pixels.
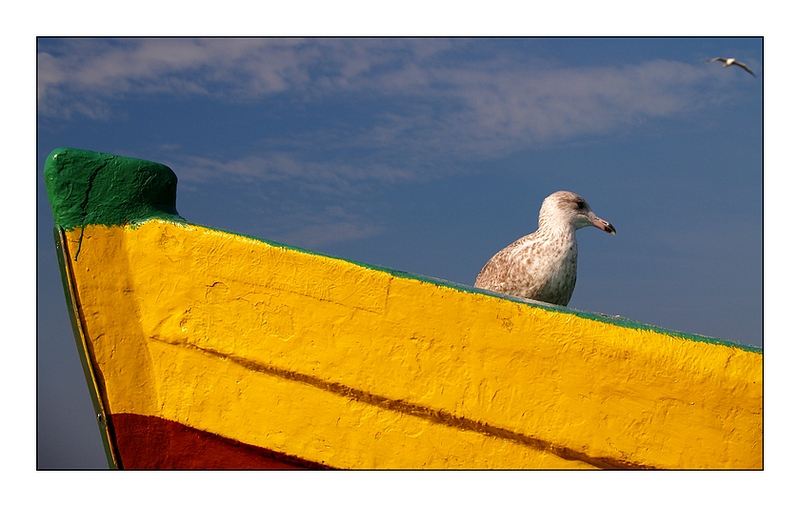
[
  {"x": 727, "y": 62},
  {"x": 543, "y": 265}
]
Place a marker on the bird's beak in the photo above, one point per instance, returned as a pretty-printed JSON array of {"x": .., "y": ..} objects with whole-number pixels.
[{"x": 603, "y": 225}]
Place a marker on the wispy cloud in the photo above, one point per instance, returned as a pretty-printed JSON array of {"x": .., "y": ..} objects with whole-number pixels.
[
  {"x": 312, "y": 204},
  {"x": 288, "y": 166},
  {"x": 511, "y": 98},
  {"x": 435, "y": 104},
  {"x": 82, "y": 74},
  {"x": 333, "y": 226}
]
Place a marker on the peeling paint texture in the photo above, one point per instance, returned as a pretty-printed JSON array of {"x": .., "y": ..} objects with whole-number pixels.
[{"x": 345, "y": 365}]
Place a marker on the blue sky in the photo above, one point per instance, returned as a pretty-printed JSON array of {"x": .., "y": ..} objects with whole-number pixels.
[{"x": 426, "y": 155}]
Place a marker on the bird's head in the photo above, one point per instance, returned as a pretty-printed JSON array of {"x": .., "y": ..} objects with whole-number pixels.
[{"x": 568, "y": 207}]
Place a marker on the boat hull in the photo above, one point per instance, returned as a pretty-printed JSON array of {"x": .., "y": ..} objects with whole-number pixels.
[{"x": 207, "y": 349}]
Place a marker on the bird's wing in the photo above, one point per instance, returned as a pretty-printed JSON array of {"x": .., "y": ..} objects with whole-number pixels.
[
  {"x": 492, "y": 270},
  {"x": 717, "y": 59},
  {"x": 501, "y": 272},
  {"x": 745, "y": 67}
]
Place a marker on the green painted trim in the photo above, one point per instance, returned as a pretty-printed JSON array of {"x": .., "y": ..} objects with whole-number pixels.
[
  {"x": 86, "y": 187},
  {"x": 83, "y": 353}
]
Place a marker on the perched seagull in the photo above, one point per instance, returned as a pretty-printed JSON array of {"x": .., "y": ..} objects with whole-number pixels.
[
  {"x": 543, "y": 265},
  {"x": 727, "y": 62}
]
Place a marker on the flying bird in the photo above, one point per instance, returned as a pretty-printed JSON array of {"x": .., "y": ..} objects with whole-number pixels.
[
  {"x": 543, "y": 265},
  {"x": 727, "y": 62}
]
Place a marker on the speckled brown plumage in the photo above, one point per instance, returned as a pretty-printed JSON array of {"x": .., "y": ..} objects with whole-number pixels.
[{"x": 543, "y": 266}]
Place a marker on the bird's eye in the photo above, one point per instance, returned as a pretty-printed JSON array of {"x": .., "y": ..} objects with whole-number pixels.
[{"x": 581, "y": 205}]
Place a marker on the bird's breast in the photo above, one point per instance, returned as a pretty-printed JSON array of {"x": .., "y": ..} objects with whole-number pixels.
[
  {"x": 552, "y": 275},
  {"x": 555, "y": 265}
]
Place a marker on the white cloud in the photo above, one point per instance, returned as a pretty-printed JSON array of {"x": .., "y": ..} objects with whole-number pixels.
[
  {"x": 284, "y": 167},
  {"x": 328, "y": 231},
  {"x": 500, "y": 94},
  {"x": 92, "y": 70},
  {"x": 496, "y": 111},
  {"x": 433, "y": 108},
  {"x": 435, "y": 103}
]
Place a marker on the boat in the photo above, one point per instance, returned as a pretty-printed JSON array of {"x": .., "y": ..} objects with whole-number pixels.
[{"x": 206, "y": 349}]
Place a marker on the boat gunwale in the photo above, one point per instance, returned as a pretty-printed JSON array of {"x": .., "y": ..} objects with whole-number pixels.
[{"x": 600, "y": 317}]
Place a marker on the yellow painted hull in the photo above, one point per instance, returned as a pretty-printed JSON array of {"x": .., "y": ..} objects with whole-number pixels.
[
  {"x": 207, "y": 349},
  {"x": 350, "y": 366}
]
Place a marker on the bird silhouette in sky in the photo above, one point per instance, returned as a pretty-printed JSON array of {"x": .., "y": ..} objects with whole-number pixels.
[{"x": 727, "y": 62}]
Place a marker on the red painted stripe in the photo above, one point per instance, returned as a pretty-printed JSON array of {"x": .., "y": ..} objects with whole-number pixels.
[{"x": 152, "y": 443}]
